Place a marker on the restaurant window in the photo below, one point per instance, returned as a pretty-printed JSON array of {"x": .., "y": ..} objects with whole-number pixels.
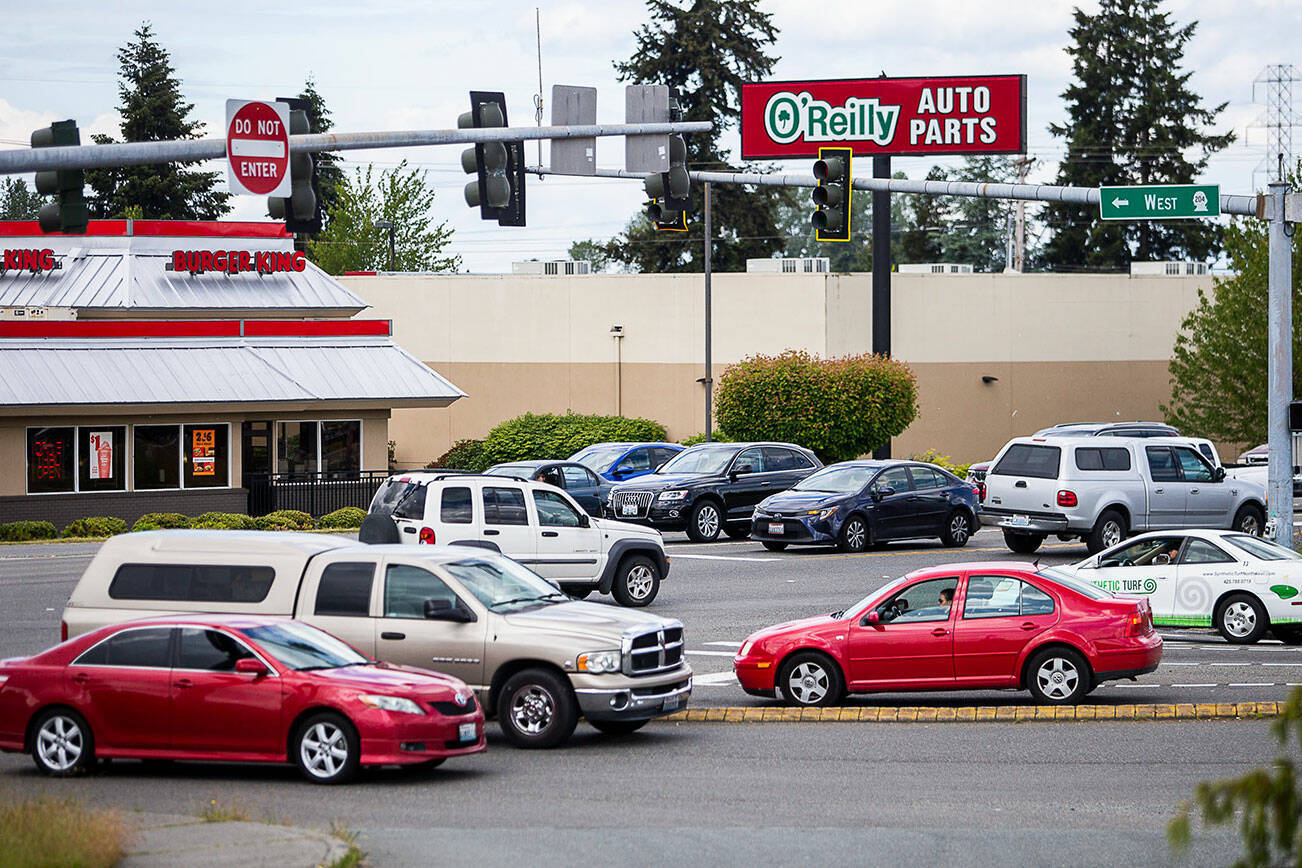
[
  {"x": 102, "y": 458},
  {"x": 157, "y": 457},
  {"x": 296, "y": 447},
  {"x": 207, "y": 455},
  {"x": 50, "y": 459},
  {"x": 341, "y": 446}
]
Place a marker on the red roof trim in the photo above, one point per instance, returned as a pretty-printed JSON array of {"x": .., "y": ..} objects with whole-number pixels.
[
  {"x": 156, "y": 228},
  {"x": 360, "y": 273},
  {"x": 318, "y": 327},
  {"x": 195, "y": 328}
]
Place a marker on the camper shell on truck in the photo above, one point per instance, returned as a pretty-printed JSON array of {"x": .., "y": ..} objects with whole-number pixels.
[{"x": 534, "y": 657}]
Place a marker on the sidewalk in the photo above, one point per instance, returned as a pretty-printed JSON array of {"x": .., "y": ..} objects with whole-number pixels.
[{"x": 176, "y": 841}]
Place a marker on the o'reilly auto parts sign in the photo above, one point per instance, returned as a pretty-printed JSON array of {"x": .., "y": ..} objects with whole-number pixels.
[{"x": 885, "y": 116}]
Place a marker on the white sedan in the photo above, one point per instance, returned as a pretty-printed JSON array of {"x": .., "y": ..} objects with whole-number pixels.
[{"x": 1242, "y": 585}]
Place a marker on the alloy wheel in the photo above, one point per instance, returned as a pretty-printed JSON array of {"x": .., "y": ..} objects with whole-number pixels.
[
  {"x": 1111, "y": 534},
  {"x": 324, "y": 750},
  {"x": 809, "y": 683},
  {"x": 532, "y": 709},
  {"x": 640, "y": 581},
  {"x": 958, "y": 529},
  {"x": 1249, "y": 524},
  {"x": 1239, "y": 618},
  {"x": 60, "y": 743},
  {"x": 1057, "y": 677},
  {"x": 707, "y": 521},
  {"x": 855, "y": 535}
]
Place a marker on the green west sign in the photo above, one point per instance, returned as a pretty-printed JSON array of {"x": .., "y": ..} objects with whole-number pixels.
[{"x": 1160, "y": 202}]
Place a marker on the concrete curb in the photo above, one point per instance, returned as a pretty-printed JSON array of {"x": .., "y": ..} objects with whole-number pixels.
[
  {"x": 979, "y": 714},
  {"x": 175, "y": 841}
]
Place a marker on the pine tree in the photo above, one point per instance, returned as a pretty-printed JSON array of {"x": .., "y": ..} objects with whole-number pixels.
[
  {"x": 1132, "y": 119},
  {"x": 329, "y": 175},
  {"x": 927, "y": 219},
  {"x": 706, "y": 51},
  {"x": 18, "y": 201},
  {"x": 153, "y": 110},
  {"x": 979, "y": 234}
]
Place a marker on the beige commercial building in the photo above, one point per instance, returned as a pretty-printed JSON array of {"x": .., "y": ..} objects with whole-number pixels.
[{"x": 996, "y": 355}]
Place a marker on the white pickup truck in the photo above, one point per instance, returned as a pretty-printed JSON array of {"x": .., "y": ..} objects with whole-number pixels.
[{"x": 1104, "y": 489}]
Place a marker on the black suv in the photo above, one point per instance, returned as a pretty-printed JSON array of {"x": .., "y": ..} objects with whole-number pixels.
[{"x": 711, "y": 488}]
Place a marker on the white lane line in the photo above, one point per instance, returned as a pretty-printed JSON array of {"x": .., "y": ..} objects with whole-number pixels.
[
  {"x": 1193, "y": 685},
  {"x": 712, "y": 653},
  {"x": 46, "y": 557},
  {"x": 1182, "y": 663},
  {"x": 714, "y": 679},
  {"x": 724, "y": 644},
  {"x": 674, "y": 556},
  {"x": 1229, "y": 664},
  {"x": 1251, "y": 684},
  {"x": 1280, "y": 664}
]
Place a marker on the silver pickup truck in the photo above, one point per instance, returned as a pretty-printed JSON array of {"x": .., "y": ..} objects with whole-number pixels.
[{"x": 1103, "y": 489}]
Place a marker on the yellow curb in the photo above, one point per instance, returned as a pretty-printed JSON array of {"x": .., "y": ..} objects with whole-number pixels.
[
  {"x": 1226, "y": 709},
  {"x": 715, "y": 713},
  {"x": 888, "y": 714},
  {"x": 735, "y": 715},
  {"x": 1018, "y": 713},
  {"x": 907, "y": 714},
  {"x": 946, "y": 713},
  {"x": 1205, "y": 709},
  {"x": 1185, "y": 710},
  {"x": 1085, "y": 712},
  {"x": 1162, "y": 712},
  {"x": 1125, "y": 712},
  {"x": 968, "y": 713}
]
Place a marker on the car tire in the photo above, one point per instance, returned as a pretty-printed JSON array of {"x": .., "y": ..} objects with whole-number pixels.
[
  {"x": 774, "y": 546},
  {"x": 810, "y": 680},
  {"x": 1249, "y": 520},
  {"x": 1241, "y": 619},
  {"x": 637, "y": 581},
  {"x": 853, "y": 537},
  {"x": 1058, "y": 676},
  {"x": 327, "y": 749},
  {"x": 62, "y": 743},
  {"x": 1287, "y": 635},
  {"x": 1109, "y": 530},
  {"x": 379, "y": 528},
  {"x": 537, "y": 709},
  {"x": 704, "y": 522},
  {"x": 1022, "y": 543},
  {"x": 737, "y": 531},
  {"x": 958, "y": 529},
  {"x": 618, "y": 727}
]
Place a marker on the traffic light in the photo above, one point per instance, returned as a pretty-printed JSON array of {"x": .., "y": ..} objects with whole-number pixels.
[
  {"x": 671, "y": 192},
  {"x": 832, "y": 195},
  {"x": 67, "y": 213},
  {"x": 498, "y": 167},
  {"x": 302, "y": 210}
]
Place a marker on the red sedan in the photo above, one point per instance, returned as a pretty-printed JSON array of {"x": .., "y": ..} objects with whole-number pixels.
[
  {"x": 958, "y": 627},
  {"x": 230, "y": 688}
]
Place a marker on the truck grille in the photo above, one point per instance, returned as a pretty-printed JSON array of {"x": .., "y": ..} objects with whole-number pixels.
[
  {"x": 655, "y": 651},
  {"x": 641, "y": 500}
]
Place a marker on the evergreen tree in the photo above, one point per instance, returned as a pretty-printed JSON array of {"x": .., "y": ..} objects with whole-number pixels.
[
  {"x": 979, "y": 234},
  {"x": 1132, "y": 119},
  {"x": 330, "y": 177},
  {"x": 153, "y": 110},
  {"x": 927, "y": 220},
  {"x": 796, "y": 208},
  {"x": 706, "y": 51},
  {"x": 18, "y": 201}
]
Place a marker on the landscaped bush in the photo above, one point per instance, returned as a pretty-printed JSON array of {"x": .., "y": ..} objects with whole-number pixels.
[
  {"x": 841, "y": 408},
  {"x": 96, "y": 525},
  {"x": 223, "y": 521},
  {"x": 464, "y": 455},
  {"x": 698, "y": 439},
  {"x": 548, "y": 435},
  {"x": 346, "y": 518},
  {"x": 23, "y": 531},
  {"x": 285, "y": 519},
  {"x": 160, "y": 521},
  {"x": 931, "y": 456}
]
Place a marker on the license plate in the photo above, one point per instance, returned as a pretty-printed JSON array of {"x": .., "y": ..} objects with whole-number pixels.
[
  {"x": 1020, "y": 520},
  {"x": 777, "y": 528},
  {"x": 672, "y": 703},
  {"x": 467, "y": 732},
  {"x": 628, "y": 509}
]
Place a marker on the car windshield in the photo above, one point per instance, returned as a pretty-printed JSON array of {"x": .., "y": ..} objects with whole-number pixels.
[
  {"x": 500, "y": 583},
  {"x": 1071, "y": 583},
  {"x": 708, "y": 460},
  {"x": 887, "y": 588},
  {"x": 391, "y": 494},
  {"x": 843, "y": 480},
  {"x": 301, "y": 647},
  {"x": 599, "y": 460},
  {"x": 1262, "y": 549}
]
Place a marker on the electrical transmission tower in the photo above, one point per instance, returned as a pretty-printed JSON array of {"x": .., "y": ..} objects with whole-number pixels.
[{"x": 1274, "y": 87}]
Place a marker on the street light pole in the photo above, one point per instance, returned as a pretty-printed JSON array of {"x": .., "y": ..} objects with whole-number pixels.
[
  {"x": 1279, "y": 367},
  {"x": 709, "y": 376}
]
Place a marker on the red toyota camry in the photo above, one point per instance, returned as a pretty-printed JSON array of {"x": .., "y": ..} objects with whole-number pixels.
[
  {"x": 958, "y": 627},
  {"x": 230, "y": 688}
]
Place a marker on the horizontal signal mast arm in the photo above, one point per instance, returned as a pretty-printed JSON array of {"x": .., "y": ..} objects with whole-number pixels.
[{"x": 191, "y": 150}]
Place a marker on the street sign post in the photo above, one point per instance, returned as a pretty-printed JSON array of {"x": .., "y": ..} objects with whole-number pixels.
[
  {"x": 257, "y": 148},
  {"x": 1160, "y": 202}
]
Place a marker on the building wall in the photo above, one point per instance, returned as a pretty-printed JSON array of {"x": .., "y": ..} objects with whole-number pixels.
[{"x": 1063, "y": 347}]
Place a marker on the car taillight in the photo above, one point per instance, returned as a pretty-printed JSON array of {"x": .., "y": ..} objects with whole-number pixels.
[
  {"x": 427, "y": 535},
  {"x": 980, "y": 491},
  {"x": 1140, "y": 623},
  {"x": 1066, "y": 498},
  {"x": 63, "y": 631}
]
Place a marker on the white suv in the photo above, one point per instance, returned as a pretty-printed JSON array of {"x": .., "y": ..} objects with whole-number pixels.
[{"x": 533, "y": 523}]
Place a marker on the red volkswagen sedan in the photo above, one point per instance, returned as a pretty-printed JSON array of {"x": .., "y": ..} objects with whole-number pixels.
[
  {"x": 958, "y": 627},
  {"x": 230, "y": 688}
]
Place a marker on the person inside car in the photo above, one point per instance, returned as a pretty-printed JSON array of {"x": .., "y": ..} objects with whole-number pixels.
[{"x": 946, "y": 598}]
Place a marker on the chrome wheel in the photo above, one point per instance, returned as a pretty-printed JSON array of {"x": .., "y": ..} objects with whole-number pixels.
[
  {"x": 640, "y": 581},
  {"x": 532, "y": 709},
  {"x": 707, "y": 521},
  {"x": 324, "y": 750},
  {"x": 1249, "y": 524},
  {"x": 808, "y": 683},
  {"x": 1239, "y": 619},
  {"x": 1057, "y": 677},
  {"x": 60, "y": 743},
  {"x": 1112, "y": 533},
  {"x": 854, "y": 535},
  {"x": 959, "y": 529}
]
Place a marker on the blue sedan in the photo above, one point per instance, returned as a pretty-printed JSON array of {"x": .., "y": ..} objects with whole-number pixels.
[
  {"x": 856, "y": 504},
  {"x": 619, "y": 461}
]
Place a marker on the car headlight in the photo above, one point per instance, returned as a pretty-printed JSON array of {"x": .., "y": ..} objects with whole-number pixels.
[
  {"x": 390, "y": 703},
  {"x": 598, "y": 662},
  {"x": 745, "y": 648},
  {"x": 824, "y": 513},
  {"x": 672, "y": 495}
]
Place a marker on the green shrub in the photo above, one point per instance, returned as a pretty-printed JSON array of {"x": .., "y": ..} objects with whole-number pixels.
[
  {"x": 96, "y": 525},
  {"x": 698, "y": 439},
  {"x": 223, "y": 521},
  {"x": 23, "y": 531},
  {"x": 348, "y": 517},
  {"x": 285, "y": 519},
  {"x": 931, "y": 456},
  {"x": 464, "y": 455},
  {"x": 160, "y": 521},
  {"x": 841, "y": 408},
  {"x": 548, "y": 435}
]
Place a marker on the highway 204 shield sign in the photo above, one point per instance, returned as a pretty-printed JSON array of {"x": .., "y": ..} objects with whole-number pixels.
[
  {"x": 257, "y": 147},
  {"x": 1160, "y": 202},
  {"x": 884, "y": 116}
]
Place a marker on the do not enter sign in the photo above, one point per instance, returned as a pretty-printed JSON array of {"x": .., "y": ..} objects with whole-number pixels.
[{"x": 257, "y": 147}]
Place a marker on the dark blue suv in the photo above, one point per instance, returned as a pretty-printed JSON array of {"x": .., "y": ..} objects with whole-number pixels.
[{"x": 855, "y": 504}]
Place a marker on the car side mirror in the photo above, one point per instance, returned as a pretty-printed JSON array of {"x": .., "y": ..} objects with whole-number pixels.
[
  {"x": 1218, "y": 474},
  {"x": 251, "y": 666},
  {"x": 739, "y": 470},
  {"x": 584, "y": 521},
  {"x": 446, "y": 610},
  {"x": 884, "y": 491},
  {"x": 872, "y": 619}
]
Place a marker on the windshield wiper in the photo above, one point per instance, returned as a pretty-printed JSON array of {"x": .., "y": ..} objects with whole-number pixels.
[
  {"x": 323, "y": 666},
  {"x": 517, "y": 600}
]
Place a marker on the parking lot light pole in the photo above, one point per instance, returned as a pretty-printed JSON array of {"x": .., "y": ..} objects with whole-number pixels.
[
  {"x": 709, "y": 376},
  {"x": 1279, "y": 375}
]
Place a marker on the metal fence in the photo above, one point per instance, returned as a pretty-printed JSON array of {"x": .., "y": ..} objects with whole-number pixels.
[{"x": 313, "y": 493}]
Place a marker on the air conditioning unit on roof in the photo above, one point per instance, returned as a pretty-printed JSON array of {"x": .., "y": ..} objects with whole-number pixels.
[
  {"x": 552, "y": 266},
  {"x": 797, "y": 265}
]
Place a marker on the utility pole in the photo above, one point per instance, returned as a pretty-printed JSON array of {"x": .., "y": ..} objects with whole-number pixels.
[
  {"x": 1019, "y": 240},
  {"x": 1279, "y": 367},
  {"x": 708, "y": 379}
]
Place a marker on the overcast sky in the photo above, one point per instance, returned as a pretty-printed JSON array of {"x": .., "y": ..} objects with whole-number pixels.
[{"x": 399, "y": 64}]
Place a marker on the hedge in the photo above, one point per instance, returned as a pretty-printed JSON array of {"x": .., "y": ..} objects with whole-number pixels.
[
  {"x": 342, "y": 519},
  {"x": 549, "y": 435},
  {"x": 841, "y": 407},
  {"x": 95, "y": 525},
  {"x": 161, "y": 521},
  {"x": 285, "y": 519},
  {"x": 931, "y": 456},
  {"x": 223, "y": 521},
  {"x": 24, "y": 531},
  {"x": 464, "y": 455},
  {"x": 698, "y": 439}
]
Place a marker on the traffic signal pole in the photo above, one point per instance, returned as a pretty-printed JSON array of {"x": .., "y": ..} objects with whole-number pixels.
[
  {"x": 1279, "y": 366},
  {"x": 882, "y": 273}
]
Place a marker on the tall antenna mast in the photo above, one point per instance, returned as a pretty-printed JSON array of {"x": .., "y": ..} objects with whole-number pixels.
[
  {"x": 538, "y": 97},
  {"x": 1279, "y": 119}
]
